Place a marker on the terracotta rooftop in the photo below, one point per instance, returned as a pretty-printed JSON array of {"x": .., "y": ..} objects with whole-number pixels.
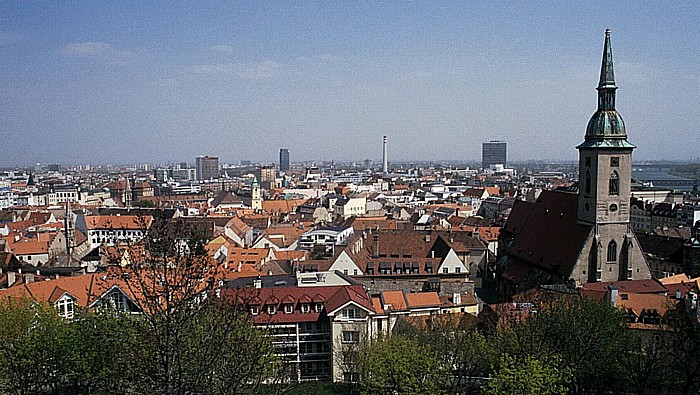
[{"x": 118, "y": 222}]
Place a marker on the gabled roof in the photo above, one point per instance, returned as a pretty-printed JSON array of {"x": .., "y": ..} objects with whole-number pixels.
[
  {"x": 238, "y": 227},
  {"x": 332, "y": 297},
  {"x": 226, "y": 198},
  {"x": 394, "y": 299}
]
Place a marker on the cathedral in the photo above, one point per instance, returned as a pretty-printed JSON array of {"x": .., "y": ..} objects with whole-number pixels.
[{"x": 577, "y": 238}]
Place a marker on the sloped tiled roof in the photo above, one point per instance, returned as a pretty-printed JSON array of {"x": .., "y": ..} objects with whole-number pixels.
[
  {"x": 550, "y": 237},
  {"x": 628, "y": 286},
  {"x": 423, "y": 299},
  {"x": 118, "y": 221}
]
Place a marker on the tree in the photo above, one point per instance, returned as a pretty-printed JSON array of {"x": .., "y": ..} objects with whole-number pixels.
[
  {"x": 648, "y": 362},
  {"x": 190, "y": 342},
  {"x": 590, "y": 337},
  {"x": 397, "y": 364},
  {"x": 684, "y": 349},
  {"x": 99, "y": 347},
  {"x": 31, "y": 338},
  {"x": 466, "y": 352},
  {"x": 530, "y": 376}
]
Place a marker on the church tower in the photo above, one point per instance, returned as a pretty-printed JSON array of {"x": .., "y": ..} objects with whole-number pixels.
[
  {"x": 605, "y": 173},
  {"x": 256, "y": 201}
]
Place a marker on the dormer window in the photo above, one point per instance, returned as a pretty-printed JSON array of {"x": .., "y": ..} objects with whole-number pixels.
[
  {"x": 305, "y": 308},
  {"x": 318, "y": 307},
  {"x": 65, "y": 307},
  {"x": 254, "y": 309},
  {"x": 271, "y": 309},
  {"x": 288, "y": 309}
]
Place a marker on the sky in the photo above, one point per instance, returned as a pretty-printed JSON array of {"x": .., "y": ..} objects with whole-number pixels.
[{"x": 158, "y": 82}]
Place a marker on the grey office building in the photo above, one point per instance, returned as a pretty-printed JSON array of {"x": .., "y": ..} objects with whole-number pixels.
[
  {"x": 284, "y": 159},
  {"x": 492, "y": 153},
  {"x": 207, "y": 167}
]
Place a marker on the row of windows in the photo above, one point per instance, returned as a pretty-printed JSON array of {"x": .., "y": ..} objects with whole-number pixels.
[
  {"x": 398, "y": 270},
  {"x": 288, "y": 308}
]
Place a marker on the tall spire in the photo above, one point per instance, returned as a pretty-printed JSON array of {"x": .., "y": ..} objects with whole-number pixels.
[
  {"x": 607, "y": 75},
  {"x": 606, "y": 128},
  {"x": 606, "y": 85}
]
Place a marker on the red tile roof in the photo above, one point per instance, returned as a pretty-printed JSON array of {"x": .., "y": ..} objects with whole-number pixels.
[{"x": 628, "y": 286}]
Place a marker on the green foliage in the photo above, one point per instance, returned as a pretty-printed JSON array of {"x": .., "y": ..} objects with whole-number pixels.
[
  {"x": 589, "y": 336},
  {"x": 144, "y": 204},
  {"x": 530, "y": 376},
  {"x": 31, "y": 340},
  {"x": 219, "y": 352},
  {"x": 398, "y": 364}
]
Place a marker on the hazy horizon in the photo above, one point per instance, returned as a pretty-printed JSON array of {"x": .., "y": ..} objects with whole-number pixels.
[{"x": 114, "y": 82}]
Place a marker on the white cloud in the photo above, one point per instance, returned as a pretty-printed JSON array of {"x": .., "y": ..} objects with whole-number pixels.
[
  {"x": 221, "y": 48},
  {"x": 85, "y": 48},
  {"x": 266, "y": 69}
]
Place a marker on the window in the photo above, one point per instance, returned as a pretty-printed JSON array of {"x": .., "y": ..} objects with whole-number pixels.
[
  {"x": 65, "y": 307},
  {"x": 116, "y": 300},
  {"x": 254, "y": 309},
  {"x": 614, "y": 187},
  {"x": 612, "y": 251},
  {"x": 318, "y": 307},
  {"x": 305, "y": 308},
  {"x": 271, "y": 309},
  {"x": 458, "y": 270},
  {"x": 588, "y": 182},
  {"x": 445, "y": 270},
  {"x": 288, "y": 308},
  {"x": 354, "y": 272},
  {"x": 615, "y": 161},
  {"x": 350, "y": 312},
  {"x": 345, "y": 272},
  {"x": 351, "y": 337}
]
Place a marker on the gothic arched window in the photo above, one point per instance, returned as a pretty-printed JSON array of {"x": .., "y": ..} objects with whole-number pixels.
[
  {"x": 588, "y": 182},
  {"x": 612, "y": 251},
  {"x": 614, "y": 187}
]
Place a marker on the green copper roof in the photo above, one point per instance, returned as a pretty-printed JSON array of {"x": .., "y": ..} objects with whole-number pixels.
[
  {"x": 606, "y": 124},
  {"x": 606, "y": 143},
  {"x": 607, "y": 75}
]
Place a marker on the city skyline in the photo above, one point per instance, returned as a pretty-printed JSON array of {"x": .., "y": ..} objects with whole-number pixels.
[{"x": 135, "y": 83}]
